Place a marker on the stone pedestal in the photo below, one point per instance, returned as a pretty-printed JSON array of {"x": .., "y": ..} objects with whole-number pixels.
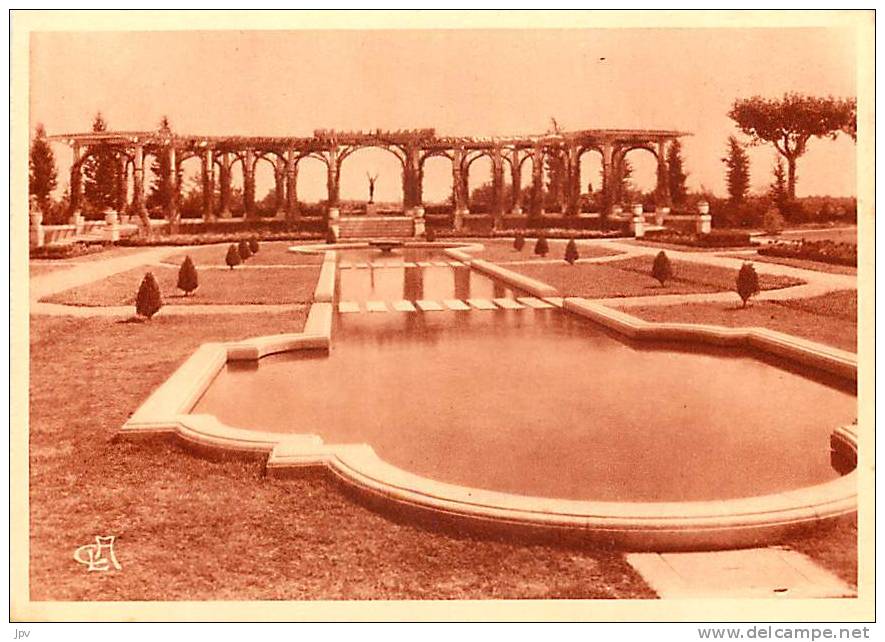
[
  {"x": 459, "y": 218},
  {"x": 705, "y": 222},
  {"x": 418, "y": 217},
  {"x": 111, "y": 226},
  {"x": 371, "y": 209},
  {"x": 661, "y": 213},
  {"x": 334, "y": 215},
  {"x": 279, "y": 215},
  {"x": 637, "y": 226},
  {"x": 78, "y": 222},
  {"x": 36, "y": 236},
  {"x": 517, "y": 210}
]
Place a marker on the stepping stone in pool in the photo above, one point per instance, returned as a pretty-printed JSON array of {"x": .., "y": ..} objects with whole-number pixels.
[
  {"x": 456, "y": 304},
  {"x": 554, "y": 300},
  {"x": 425, "y": 264},
  {"x": 376, "y": 306},
  {"x": 403, "y": 306},
  {"x": 362, "y": 265},
  {"x": 441, "y": 263},
  {"x": 410, "y": 264},
  {"x": 429, "y": 306},
  {"x": 534, "y": 302},
  {"x": 509, "y": 304},
  {"x": 348, "y": 306},
  {"x": 456, "y": 264},
  {"x": 482, "y": 304},
  {"x": 345, "y": 265}
]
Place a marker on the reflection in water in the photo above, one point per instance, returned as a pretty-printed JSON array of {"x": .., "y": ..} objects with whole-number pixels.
[{"x": 539, "y": 402}]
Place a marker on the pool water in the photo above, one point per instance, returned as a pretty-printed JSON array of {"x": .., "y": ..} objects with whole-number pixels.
[{"x": 543, "y": 403}]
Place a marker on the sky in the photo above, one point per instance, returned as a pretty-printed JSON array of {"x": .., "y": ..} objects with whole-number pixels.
[{"x": 469, "y": 82}]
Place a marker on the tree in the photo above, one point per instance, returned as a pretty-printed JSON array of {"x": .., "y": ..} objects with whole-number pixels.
[
  {"x": 148, "y": 300},
  {"x": 100, "y": 171},
  {"x": 233, "y": 257},
  {"x": 541, "y": 246},
  {"x": 162, "y": 189},
  {"x": 747, "y": 284},
  {"x": 253, "y": 245},
  {"x": 43, "y": 176},
  {"x": 519, "y": 242},
  {"x": 571, "y": 252},
  {"x": 243, "y": 250},
  {"x": 675, "y": 174},
  {"x": 790, "y": 122},
  {"x": 737, "y": 176},
  {"x": 778, "y": 188},
  {"x": 661, "y": 268},
  {"x": 187, "y": 276}
]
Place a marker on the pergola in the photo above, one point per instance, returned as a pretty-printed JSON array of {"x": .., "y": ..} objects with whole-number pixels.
[{"x": 411, "y": 147}]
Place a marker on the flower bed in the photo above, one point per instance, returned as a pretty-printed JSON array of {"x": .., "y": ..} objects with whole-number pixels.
[
  {"x": 217, "y": 237},
  {"x": 716, "y": 238},
  {"x": 550, "y": 233},
  {"x": 68, "y": 251},
  {"x": 824, "y": 251}
]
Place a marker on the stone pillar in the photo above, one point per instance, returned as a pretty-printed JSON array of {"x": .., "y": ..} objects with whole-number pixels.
[
  {"x": 573, "y": 181},
  {"x": 497, "y": 188},
  {"x": 208, "y": 186},
  {"x": 332, "y": 175},
  {"x": 224, "y": 180},
  {"x": 661, "y": 214},
  {"x": 291, "y": 185},
  {"x": 111, "y": 225},
  {"x": 138, "y": 188},
  {"x": 280, "y": 188},
  {"x": 705, "y": 221},
  {"x": 515, "y": 183},
  {"x": 249, "y": 185},
  {"x": 459, "y": 203},
  {"x": 76, "y": 205},
  {"x": 419, "y": 223},
  {"x": 637, "y": 222},
  {"x": 662, "y": 191},
  {"x": 537, "y": 182},
  {"x": 122, "y": 187},
  {"x": 36, "y": 237},
  {"x": 170, "y": 206},
  {"x": 607, "y": 178},
  {"x": 411, "y": 197}
]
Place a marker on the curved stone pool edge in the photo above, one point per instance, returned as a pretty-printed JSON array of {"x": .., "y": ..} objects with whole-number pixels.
[{"x": 655, "y": 526}]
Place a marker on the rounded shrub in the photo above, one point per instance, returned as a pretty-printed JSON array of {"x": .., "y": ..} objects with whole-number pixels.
[
  {"x": 148, "y": 300},
  {"x": 661, "y": 268},
  {"x": 187, "y": 276},
  {"x": 253, "y": 245},
  {"x": 233, "y": 257},
  {"x": 747, "y": 284},
  {"x": 571, "y": 252},
  {"x": 772, "y": 221},
  {"x": 519, "y": 242},
  {"x": 541, "y": 246},
  {"x": 243, "y": 250}
]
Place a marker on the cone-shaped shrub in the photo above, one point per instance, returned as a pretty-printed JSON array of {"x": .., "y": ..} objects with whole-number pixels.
[
  {"x": 519, "y": 242},
  {"x": 187, "y": 276},
  {"x": 233, "y": 257},
  {"x": 747, "y": 282},
  {"x": 541, "y": 246},
  {"x": 571, "y": 252},
  {"x": 243, "y": 250},
  {"x": 661, "y": 268},
  {"x": 253, "y": 245},
  {"x": 429, "y": 234},
  {"x": 331, "y": 239},
  {"x": 148, "y": 300}
]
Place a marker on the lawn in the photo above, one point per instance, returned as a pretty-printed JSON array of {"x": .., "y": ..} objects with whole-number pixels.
[
  {"x": 237, "y": 286},
  {"x": 834, "y": 548},
  {"x": 194, "y": 529},
  {"x": 39, "y": 269},
  {"x": 271, "y": 253},
  {"x": 839, "y": 235},
  {"x": 502, "y": 251},
  {"x": 830, "y": 319},
  {"x": 817, "y": 266},
  {"x": 632, "y": 277}
]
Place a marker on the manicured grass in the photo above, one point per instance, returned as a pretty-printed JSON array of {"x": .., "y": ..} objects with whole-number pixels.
[
  {"x": 833, "y": 547},
  {"x": 193, "y": 529},
  {"x": 271, "y": 253},
  {"x": 839, "y": 235},
  {"x": 237, "y": 286},
  {"x": 802, "y": 263},
  {"x": 503, "y": 252},
  {"x": 830, "y": 319},
  {"x": 632, "y": 277},
  {"x": 38, "y": 269}
]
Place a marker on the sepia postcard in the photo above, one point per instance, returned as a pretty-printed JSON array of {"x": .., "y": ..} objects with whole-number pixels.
[{"x": 443, "y": 315}]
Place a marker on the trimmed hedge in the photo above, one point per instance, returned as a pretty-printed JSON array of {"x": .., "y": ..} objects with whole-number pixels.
[
  {"x": 303, "y": 224},
  {"x": 212, "y": 238},
  {"x": 67, "y": 251},
  {"x": 550, "y": 233},
  {"x": 824, "y": 251},
  {"x": 716, "y": 238}
]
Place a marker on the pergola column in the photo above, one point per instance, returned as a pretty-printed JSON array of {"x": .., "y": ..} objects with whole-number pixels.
[
  {"x": 249, "y": 185},
  {"x": 537, "y": 185},
  {"x": 662, "y": 193},
  {"x": 573, "y": 180},
  {"x": 224, "y": 186},
  {"x": 138, "y": 188},
  {"x": 291, "y": 185},
  {"x": 122, "y": 187},
  {"x": 411, "y": 176},
  {"x": 76, "y": 185},
  {"x": 515, "y": 182},
  {"x": 279, "y": 175},
  {"x": 497, "y": 187},
  {"x": 170, "y": 206},
  {"x": 607, "y": 171},
  {"x": 208, "y": 186},
  {"x": 332, "y": 176}
]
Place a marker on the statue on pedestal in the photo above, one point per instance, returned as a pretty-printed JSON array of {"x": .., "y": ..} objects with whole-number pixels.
[{"x": 372, "y": 180}]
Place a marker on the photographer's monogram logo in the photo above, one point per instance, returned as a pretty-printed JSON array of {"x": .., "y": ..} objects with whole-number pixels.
[{"x": 99, "y": 556}]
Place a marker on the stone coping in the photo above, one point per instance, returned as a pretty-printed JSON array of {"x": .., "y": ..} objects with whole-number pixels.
[
  {"x": 367, "y": 245},
  {"x": 659, "y": 526}
]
